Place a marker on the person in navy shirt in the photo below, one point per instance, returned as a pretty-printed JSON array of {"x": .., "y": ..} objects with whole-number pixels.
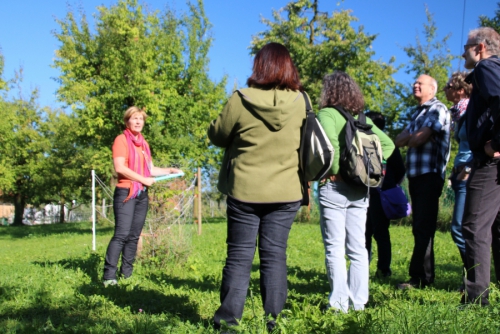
[{"x": 481, "y": 220}]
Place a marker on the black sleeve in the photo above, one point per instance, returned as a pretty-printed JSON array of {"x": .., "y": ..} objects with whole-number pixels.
[
  {"x": 395, "y": 170},
  {"x": 487, "y": 75}
]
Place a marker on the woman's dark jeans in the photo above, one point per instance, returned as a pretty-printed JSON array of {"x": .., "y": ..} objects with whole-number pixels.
[
  {"x": 269, "y": 225},
  {"x": 129, "y": 220}
]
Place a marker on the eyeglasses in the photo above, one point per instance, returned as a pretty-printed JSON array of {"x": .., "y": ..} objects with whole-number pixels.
[{"x": 468, "y": 46}]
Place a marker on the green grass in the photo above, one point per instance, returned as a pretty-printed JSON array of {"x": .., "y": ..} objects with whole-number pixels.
[{"x": 50, "y": 282}]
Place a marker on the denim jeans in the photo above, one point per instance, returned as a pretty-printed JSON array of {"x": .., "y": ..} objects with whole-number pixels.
[
  {"x": 425, "y": 190},
  {"x": 247, "y": 224},
  {"x": 343, "y": 219},
  {"x": 377, "y": 225},
  {"x": 129, "y": 220},
  {"x": 481, "y": 230},
  {"x": 459, "y": 187}
]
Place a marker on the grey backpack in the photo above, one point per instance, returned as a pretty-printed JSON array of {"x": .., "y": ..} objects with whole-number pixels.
[{"x": 361, "y": 163}]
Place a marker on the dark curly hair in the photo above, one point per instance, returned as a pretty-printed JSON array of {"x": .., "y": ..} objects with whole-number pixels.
[{"x": 339, "y": 89}]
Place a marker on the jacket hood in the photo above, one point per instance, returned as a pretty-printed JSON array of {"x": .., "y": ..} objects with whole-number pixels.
[{"x": 273, "y": 106}]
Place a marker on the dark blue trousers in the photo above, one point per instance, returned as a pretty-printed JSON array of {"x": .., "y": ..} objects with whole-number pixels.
[
  {"x": 248, "y": 224},
  {"x": 129, "y": 220},
  {"x": 425, "y": 190}
]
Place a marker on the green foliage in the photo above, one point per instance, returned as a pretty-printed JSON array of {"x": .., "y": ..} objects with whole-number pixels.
[
  {"x": 320, "y": 43},
  {"x": 431, "y": 57},
  {"x": 51, "y": 282},
  {"x": 64, "y": 172},
  {"x": 41, "y": 160},
  {"x": 21, "y": 148},
  {"x": 3, "y": 84},
  {"x": 152, "y": 60},
  {"x": 494, "y": 22}
]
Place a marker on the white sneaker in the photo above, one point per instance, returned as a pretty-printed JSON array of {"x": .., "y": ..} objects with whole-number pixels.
[{"x": 109, "y": 282}]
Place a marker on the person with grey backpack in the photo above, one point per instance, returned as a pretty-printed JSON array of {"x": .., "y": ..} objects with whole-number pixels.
[{"x": 342, "y": 202}]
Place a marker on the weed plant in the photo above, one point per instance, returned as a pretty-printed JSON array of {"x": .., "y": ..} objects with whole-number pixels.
[{"x": 50, "y": 282}]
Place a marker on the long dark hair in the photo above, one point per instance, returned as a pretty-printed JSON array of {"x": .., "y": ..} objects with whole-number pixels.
[
  {"x": 339, "y": 89},
  {"x": 273, "y": 68}
]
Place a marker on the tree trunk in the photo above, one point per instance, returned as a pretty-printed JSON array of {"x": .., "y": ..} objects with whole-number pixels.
[
  {"x": 19, "y": 204},
  {"x": 61, "y": 212}
]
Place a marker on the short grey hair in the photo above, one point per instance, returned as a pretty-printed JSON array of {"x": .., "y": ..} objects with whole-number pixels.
[
  {"x": 489, "y": 37},
  {"x": 434, "y": 84}
]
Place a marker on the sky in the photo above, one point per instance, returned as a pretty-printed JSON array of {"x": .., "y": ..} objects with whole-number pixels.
[{"x": 27, "y": 26}]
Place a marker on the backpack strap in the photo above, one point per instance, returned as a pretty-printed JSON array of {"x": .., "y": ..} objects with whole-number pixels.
[
  {"x": 350, "y": 128},
  {"x": 305, "y": 144},
  {"x": 359, "y": 123}
]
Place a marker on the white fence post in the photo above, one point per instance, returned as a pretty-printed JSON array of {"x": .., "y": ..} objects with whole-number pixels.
[{"x": 93, "y": 210}]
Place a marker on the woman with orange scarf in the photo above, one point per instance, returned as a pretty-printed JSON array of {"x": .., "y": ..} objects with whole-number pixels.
[{"x": 134, "y": 166}]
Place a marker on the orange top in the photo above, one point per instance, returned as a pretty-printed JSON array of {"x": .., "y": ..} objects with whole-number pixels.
[{"x": 120, "y": 149}]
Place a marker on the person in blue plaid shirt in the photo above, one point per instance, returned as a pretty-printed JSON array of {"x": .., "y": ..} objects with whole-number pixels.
[{"x": 428, "y": 139}]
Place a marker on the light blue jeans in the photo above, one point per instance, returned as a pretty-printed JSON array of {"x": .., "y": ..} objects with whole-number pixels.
[
  {"x": 343, "y": 221},
  {"x": 458, "y": 212}
]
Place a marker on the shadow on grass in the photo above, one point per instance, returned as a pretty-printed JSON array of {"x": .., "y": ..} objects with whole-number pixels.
[
  {"x": 79, "y": 315},
  {"x": 90, "y": 265},
  {"x": 206, "y": 283},
  {"x": 52, "y": 229},
  {"x": 129, "y": 294},
  {"x": 309, "y": 281},
  {"x": 138, "y": 298}
]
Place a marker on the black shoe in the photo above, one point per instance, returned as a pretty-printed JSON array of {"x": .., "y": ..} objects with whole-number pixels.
[
  {"x": 270, "y": 325},
  {"x": 383, "y": 273}
]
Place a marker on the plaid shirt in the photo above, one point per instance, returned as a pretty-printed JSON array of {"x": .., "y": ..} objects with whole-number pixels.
[{"x": 432, "y": 156}]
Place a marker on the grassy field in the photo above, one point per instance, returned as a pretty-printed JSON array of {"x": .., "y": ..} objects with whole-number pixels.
[{"x": 50, "y": 282}]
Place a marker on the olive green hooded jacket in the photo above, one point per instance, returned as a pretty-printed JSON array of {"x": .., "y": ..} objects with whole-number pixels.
[{"x": 260, "y": 130}]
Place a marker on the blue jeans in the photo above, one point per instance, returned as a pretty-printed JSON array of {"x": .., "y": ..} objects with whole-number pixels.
[
  {"x": 129, "y": 220},
  {"x": 343, "y": 218},
  {"x": 269, "y": 225},
  {"x": 458, "y": 211}
]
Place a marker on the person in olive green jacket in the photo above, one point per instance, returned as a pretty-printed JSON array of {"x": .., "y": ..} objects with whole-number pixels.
[
  {"x": 260, "y": 129},
  {"x": 343, "y": 205}
]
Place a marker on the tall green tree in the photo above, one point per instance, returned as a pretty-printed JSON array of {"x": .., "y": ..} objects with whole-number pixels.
[
  {"x": 153, "y": 60},
  {"x": 64, "y": 173},
  {"x": 7, "y": 176},
  {"x": 494, "y": 22},
  {"x": 320, "y": 43},
  {"x": 429, "y": 56},
  {"x": 21, "y": 149},
  {"x": 3, "y": 84}
]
